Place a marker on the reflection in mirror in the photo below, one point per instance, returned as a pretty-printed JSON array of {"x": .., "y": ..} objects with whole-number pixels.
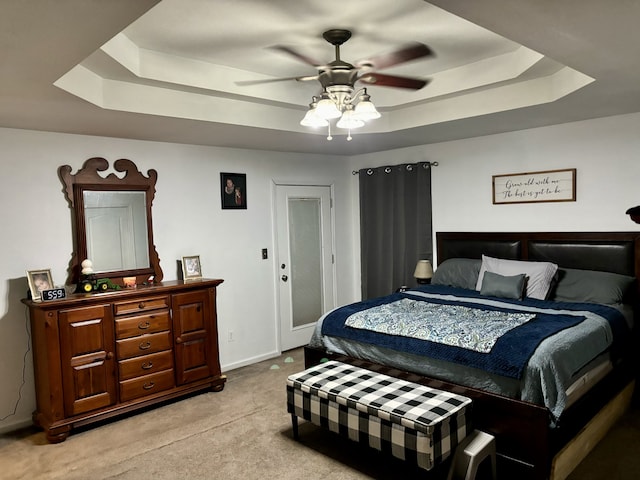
[{"x": 116, "y": 230}]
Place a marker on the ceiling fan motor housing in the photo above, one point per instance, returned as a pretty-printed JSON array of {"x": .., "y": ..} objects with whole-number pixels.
[{"x": 336, "y": 36}]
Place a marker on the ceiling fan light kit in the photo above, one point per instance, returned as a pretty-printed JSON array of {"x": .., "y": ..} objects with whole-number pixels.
[{"x": 339, "y": 103}]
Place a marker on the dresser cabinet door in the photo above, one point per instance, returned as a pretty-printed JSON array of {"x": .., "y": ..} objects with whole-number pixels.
[
  {"x": 87, "y": 358},
  {"x": 194, "y": 336}
]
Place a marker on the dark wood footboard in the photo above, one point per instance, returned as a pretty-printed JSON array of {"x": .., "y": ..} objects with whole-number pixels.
[{"x": 525, "y": 442}]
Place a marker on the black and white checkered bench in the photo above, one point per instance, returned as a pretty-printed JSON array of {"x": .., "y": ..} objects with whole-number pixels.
[{"x": 411, "y": 421}]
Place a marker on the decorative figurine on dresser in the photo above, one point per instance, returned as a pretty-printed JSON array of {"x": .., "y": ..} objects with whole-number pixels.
[{"x": 101, "y": 352}]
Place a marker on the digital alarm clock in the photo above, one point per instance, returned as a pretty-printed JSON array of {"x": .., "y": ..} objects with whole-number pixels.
[{"x": 53, "y": 294}]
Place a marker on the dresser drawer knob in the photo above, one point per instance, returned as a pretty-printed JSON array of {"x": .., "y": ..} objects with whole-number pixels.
[
  {"x": 144, "y": 345},
  {"x": 147, "y": 365},
  {"x": 144, "y": 325},
  {"x": 141, "y": 305},
  {"x": 148, "y": 385}
]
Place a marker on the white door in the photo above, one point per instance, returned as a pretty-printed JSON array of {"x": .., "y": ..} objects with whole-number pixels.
[{"x": 304, "y": 260}]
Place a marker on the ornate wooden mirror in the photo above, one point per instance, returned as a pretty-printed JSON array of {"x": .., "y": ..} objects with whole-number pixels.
[{"x": 112, "y": 223}]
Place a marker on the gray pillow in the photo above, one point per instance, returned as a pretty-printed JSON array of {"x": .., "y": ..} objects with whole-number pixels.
[
  {"x": 540, "y": 275},
  {"x": 496, "y": 285},
  {"x": 457, "y": 272},
  {"x": 590, "y": 286}
]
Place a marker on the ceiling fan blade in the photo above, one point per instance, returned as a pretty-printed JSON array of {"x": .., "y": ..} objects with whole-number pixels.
[
  {"x": 297, "y": 55},
  {"x": 274, "y": 80},
  {"x": 410, "y": 51},
  {"x": 392, "y": 81}
]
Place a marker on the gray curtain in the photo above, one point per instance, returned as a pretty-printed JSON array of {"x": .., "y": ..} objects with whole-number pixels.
[{"x": 395, "y": 225}]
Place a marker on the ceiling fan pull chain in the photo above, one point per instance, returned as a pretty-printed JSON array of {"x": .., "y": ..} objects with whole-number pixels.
[{"x": 329, "y": 137}]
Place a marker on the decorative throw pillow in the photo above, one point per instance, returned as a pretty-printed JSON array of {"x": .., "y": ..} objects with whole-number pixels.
[
  {"x": 539, "y": 274},
  {"x": 496, "y": 285}
]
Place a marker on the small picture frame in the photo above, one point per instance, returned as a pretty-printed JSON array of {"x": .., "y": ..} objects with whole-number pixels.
[
  {"x": 233, "y": 190},
  {"x": 191, "y": 267},
  {"x": 39, "y": 280}
]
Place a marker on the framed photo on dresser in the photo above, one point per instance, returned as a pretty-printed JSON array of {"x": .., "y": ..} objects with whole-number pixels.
[
  {"x": 39, "y": 280},
  {"x": 191, "y": 267}
]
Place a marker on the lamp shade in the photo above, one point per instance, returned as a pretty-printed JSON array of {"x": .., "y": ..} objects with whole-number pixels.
[{"x": 424, "y": 270}]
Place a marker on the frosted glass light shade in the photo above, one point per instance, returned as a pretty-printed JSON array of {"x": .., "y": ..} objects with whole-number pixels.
[
  {"x": 327, "y": 109},
  {"x": 349, "y": 120},
  {"x": 366, "y": 110},
  {"x": 311, "y": 119}
]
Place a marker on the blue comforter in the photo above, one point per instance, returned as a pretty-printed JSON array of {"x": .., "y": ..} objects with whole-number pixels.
[{"x": 510, "y": 353}]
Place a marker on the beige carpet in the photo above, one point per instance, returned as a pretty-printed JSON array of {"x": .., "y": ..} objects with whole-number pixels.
[{"x": 243, "y": 432}]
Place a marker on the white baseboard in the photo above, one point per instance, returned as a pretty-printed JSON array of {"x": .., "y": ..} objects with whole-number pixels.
[{"x": 249, "y": 361}]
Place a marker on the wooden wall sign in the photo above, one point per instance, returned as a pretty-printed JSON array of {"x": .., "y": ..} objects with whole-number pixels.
[{"x": 530, "y": 187}]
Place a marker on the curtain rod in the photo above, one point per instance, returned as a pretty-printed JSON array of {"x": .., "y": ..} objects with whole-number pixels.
[{"x": 387, "y": 169}]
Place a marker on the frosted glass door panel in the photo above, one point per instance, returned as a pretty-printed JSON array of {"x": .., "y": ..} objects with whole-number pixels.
[{"x": 305, "y": 240}]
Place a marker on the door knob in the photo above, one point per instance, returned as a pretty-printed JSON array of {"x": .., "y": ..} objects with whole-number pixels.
[{"x": 284, "y": 278}]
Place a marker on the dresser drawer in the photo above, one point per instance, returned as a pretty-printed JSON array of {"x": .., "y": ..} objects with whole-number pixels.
[
  {"x": 143, "y": 345},
  {"x": 140, "y": 324},
  {"x": 145, "y": 365},
  {"x": 140, "y": 305},
  {"x": 147, "y": 385}
]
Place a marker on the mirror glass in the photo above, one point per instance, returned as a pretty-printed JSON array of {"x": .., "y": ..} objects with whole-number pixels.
[{"x": 116, "y": 230}]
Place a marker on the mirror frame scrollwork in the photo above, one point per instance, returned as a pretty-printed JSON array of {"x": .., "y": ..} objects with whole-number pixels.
[{"x": 88, "y": 178}]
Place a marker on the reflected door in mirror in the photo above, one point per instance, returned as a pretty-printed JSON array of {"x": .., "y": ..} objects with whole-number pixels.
[{"x": 116, "y": 229}]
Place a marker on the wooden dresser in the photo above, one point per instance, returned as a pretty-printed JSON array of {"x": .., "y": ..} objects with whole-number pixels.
[{"x": 104, "y": 354}]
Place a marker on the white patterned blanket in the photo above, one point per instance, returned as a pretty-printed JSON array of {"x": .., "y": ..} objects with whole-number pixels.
[{"x": 457, "y": 325}]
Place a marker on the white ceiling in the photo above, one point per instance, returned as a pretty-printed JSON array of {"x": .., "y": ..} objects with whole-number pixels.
[{"x": 167, "y": 70}]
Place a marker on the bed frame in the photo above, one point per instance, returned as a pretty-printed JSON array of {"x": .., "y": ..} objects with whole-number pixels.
[{"x": 528, "y": 448}]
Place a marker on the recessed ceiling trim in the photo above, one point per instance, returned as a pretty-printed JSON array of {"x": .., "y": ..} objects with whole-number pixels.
[
  {"x": 502, "y": 98},
  {"x": 155, "y": 100}
]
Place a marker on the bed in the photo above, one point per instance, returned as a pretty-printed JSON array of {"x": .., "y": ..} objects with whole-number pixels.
[{"x": 552, "y": 367}]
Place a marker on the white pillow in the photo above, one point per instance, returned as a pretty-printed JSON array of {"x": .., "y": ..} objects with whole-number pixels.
[{"x": 539, "y": 274}]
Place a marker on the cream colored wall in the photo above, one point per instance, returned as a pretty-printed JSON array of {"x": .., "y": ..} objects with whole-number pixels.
[{"x": 188, "y": 220}]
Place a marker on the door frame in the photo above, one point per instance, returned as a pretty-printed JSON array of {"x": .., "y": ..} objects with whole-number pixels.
[{"x": 274, "y": 255}]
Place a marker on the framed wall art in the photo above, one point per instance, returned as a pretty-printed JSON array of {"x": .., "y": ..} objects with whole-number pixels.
[
  {"x": 191, "y": 267},
  {"x": 530, "y": 187},
  {"x": 39, "y": 280},
  {"x": 233, "y": 190}
]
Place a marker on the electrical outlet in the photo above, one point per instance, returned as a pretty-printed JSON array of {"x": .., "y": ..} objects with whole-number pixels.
[
  {"x": 231, "y": 337},
  {"x": 265, "y": 255}
]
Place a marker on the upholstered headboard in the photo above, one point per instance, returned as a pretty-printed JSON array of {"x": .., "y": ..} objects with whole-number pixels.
[{"x": 617, "y": 252}]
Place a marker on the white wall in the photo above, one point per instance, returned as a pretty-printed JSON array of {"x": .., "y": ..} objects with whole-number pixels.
[
  {"x": 187, "y": 220},
  {"x": 36, "y": 224},
  {"x": 605, "y": 152}
]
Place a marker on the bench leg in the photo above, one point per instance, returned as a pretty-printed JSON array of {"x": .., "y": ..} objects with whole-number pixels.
[{"x": 294, "y": 423}]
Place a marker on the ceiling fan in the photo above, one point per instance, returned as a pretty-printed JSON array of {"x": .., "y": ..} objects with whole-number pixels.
[
  {"x": 341, "y": 73},
  {"x": 339, "y": 97}
]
